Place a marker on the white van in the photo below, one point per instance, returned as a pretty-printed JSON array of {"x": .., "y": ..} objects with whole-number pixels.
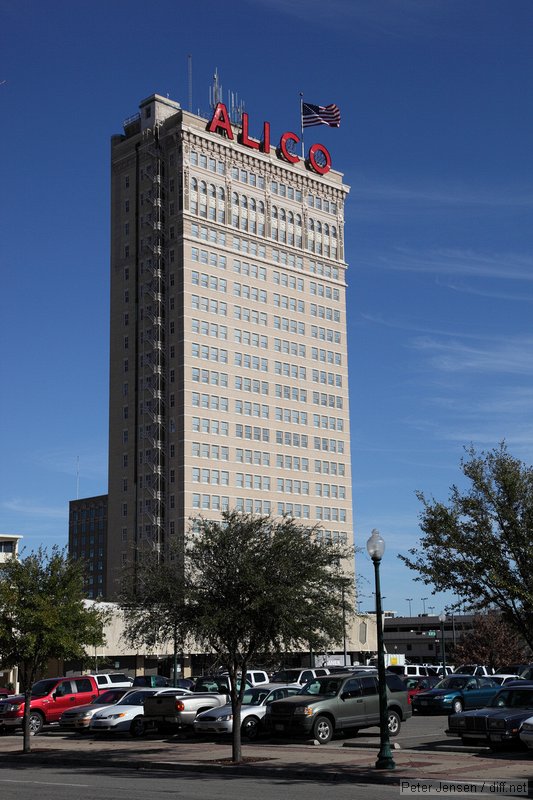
[{"x": 412, "y": 670}]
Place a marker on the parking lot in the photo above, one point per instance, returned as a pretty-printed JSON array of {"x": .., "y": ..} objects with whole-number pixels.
[{"x": 417, "y": 732}]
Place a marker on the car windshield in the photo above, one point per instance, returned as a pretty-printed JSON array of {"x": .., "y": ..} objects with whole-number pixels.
[
  {"x": 135, "y": 698},
  {"x": 452, "y": 683},
  {"x": 327, "y": 686},
  {"x": 42, "y": 688},
  {"x": 254, "y": 697},
  {"x": 513, "y": 698}
]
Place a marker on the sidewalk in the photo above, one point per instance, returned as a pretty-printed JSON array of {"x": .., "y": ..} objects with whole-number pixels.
[{"x": 337, "y": 762}]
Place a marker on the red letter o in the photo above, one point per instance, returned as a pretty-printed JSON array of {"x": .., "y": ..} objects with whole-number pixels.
[{"x": 320, "y": 168}]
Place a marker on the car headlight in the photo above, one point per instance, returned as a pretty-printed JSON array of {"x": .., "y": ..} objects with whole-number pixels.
[
  {"x": 86, "y": 715},
  {"x": 13, "y": 706},
  {"x": 304, "y": 711},
  {"x": 496, "y": 724},
  {"x": 225, "y": 718},
  {"x": 116, "y": 716},
  {"x": 527, "y": 726}
]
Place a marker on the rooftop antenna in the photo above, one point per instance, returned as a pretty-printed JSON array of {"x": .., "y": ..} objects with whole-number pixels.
[
  {"x": 215, "y": 91},
  {"x": 189, "y": 74}
]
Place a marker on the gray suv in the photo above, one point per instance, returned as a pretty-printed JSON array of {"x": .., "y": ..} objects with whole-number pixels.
[{"x": 337, "y": 702}]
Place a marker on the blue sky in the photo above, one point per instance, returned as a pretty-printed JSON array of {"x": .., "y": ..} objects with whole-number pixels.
[{"x": 435, "y": 142}]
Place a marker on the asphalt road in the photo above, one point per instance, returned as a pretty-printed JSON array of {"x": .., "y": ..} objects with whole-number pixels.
[{"x": 50, "y": 783}]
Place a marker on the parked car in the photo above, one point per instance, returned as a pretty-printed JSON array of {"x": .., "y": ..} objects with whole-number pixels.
[
  {"x": 513, "y": 669},
  {"x": 178, "y": 713},
  {"x": 498, "y": 724},
  {"x": 336, "y": 702},
  {"x": 455, "y": 693},
  {"x": 255, "y": 677},
  {"x": 151, "y": 681},
  {"x": 502, "y": 679},
  {"x": 127, "y": 716},
  {"x": 473, "y": 669},
  {"x": 526, "y": 733},
  {"x": 50, "y": 697},
  {"x": 417, "y": 685},
  {"x": 113, "y": 680},
  {"x": 79, "y": 718},
  {"x": 412, "y": 670},
  {"x": 253, "y": 709},
  {"x": 5, "y": 692},
  {"x": 297, "y": 675}
]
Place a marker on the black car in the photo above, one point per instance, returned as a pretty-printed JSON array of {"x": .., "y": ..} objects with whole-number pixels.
[{"x": 498, "y": 723}]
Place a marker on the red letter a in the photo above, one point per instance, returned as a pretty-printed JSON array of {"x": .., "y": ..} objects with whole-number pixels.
[{"x": 220, "y": 121}]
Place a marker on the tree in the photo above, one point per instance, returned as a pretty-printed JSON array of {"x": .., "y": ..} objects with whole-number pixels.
[
  {"x": 480, "y": 545},
  {"x": 43, "y": 616},
  {"x": 153, "y": 600},
  {"x": 490, "y": 642},
  {"x": 257, "y": 585}
]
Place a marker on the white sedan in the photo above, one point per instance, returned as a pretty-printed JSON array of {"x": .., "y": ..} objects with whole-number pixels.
[
  {"x": 526, "y": 732},
  {"x": 253, "y": 709},
  {"x": 126, "y": 716}
]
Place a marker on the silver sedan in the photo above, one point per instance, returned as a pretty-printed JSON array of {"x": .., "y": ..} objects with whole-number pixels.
[{"x": 253, "y": 709}]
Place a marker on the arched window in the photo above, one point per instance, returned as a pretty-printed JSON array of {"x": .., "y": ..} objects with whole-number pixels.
[
  {"x": 244, "y": 201},
  {"x": 194, "y": 185},
  {"x": 235, "y": 199},
  {"x": 203, "y": 187},
  {"x": 221, "y": 193},
  {"x": 261, "y": 207},
  {"x": 212, "y": 190},
  {"x": 253, "y": 204}
]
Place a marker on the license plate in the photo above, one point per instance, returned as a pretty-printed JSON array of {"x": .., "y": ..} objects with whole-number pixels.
[
  {"x": 279, "y": 727},
  {"x": 423, "y": 702},
  {"x": 495, "y": 737}
]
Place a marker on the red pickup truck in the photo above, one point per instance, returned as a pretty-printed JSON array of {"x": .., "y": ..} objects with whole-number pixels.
[{"x": 50, "y": 697}]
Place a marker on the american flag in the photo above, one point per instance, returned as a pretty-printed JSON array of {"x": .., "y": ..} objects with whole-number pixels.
[{"x": 320, "y": 115}]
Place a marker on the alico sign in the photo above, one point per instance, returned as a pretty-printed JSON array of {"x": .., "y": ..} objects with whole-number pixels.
[{"x": 318, "y": 158}]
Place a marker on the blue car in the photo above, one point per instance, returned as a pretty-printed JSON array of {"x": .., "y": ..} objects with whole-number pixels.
[{"x": 454, "y": 694}]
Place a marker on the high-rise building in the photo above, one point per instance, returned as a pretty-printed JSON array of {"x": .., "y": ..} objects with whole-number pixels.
[
  {"x": 87, "y": 540},
  {"x": 228, "y": 365}
]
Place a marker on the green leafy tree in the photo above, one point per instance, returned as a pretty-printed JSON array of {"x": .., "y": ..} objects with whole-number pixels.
[
  {"x": 491, "y": 642},
  {"x": 257, "y": 586},
  {"x": 43, "y": 616},
  {"x": 153, "y": 600},
  {"x": 480, "y": 544}
]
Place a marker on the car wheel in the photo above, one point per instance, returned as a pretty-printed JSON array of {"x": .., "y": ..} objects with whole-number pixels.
[
  {"x": 323, "y": 730},
  {"x": 457, "y": 705},
  {"x": 250, "y": 728},
  {"x": 393, "y": 723},
  {"x": 137, "y": 727},
  {"x": 36, "y": 723}
]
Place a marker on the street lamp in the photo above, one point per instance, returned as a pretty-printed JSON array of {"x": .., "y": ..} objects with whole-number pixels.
[
  {"x": 409, "y": 600},
  {"x": 424, "y": 605},
  {"x": 376, "y": 547},
  {"x": 442, "y": 619}
]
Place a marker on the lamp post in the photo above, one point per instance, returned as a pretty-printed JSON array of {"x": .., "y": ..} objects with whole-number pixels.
[
  {"x": 376, "y": 547},
  {"x": 442, "y": 619},
  {"x": 409, "y": 600},
  {"x": 424, "y": 605}
]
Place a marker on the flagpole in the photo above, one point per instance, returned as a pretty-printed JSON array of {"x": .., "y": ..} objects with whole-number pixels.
[{"x": 302, "y": 121}]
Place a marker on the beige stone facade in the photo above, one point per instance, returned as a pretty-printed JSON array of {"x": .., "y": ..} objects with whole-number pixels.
[{"x": 228, "y": 367}]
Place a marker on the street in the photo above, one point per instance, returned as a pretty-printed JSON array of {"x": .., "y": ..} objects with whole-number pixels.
[{"x": 91, "y": 784}]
